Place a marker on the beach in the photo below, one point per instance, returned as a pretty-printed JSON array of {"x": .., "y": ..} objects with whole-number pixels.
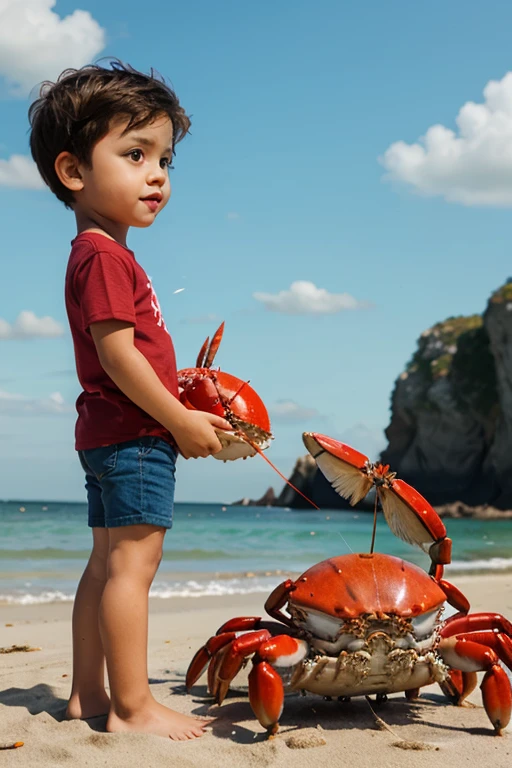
[{"x": 35, "y": 686}]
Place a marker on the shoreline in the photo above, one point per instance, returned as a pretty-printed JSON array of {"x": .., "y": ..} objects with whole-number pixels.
[
  {"x": 61, "y": 610},
  {"x": 197, "y": 586}
]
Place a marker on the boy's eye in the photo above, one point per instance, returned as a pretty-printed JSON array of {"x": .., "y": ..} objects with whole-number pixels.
[
  {"x": 135, "y": 155},
  {"x": 166, "y": 162}
]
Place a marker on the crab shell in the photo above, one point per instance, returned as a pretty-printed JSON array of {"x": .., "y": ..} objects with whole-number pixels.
[
  {"x": 205, "y": 389},
  {"x": 349, "y": 586}
]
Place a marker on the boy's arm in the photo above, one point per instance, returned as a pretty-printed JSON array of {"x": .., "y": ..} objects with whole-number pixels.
[{"x": 128, "y": 368}]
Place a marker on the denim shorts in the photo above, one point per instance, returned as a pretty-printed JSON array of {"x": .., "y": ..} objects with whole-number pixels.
[{"x": 130, "y": 483}]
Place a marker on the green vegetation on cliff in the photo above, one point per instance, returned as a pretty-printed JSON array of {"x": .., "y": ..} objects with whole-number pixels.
[
  {"x": 503, "y": 294},
  {"x": 457, "y": 348}
]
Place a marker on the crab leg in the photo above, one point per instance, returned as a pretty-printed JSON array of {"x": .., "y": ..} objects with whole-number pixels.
[
  {"x": 468, "y": 656},
  {"x": 458, "y": 686},
  {"x": 240, "y": 624},
  {"x": 454, "y": 596},
  {"x": 475, "y": 622},
  {"x": 204, "y": 655},
  {"x": 233, "y": 659},
  {"x": 266, "y": 695},
  {"x": 266, "y": 692},
  {"x": 278, "y": 599},
  {"x": 500, "y": 643},
  {"x": 245, "y": 623}
]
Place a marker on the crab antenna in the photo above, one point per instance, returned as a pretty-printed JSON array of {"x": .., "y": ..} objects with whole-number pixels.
[
  {"x": 374, "y": 521},
  {"x": 258, "y": 450},
  {"x": 202, "y": 354},
  {"x": 237, "y": 393},
  {"x": 212, "y": 350}
]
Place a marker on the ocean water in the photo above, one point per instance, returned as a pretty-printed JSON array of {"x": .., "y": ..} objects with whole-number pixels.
[{"x": 218, "y": 550}]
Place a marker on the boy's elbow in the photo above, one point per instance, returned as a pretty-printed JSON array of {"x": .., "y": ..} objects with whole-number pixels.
[{"x": 116, "y": 361}]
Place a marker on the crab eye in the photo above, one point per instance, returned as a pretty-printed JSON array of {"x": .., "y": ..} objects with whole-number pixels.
[{"x": 425, "y": 624}]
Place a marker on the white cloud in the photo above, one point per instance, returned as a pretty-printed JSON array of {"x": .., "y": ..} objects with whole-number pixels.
[
  {"x": 291, "y": 412},
  {"x": 304, "y": 298},
  {"x": 28, "y": 326},
  {"x": 232, "y": 216},
  {"x": 20, "y": 172},
  {"x": 14, "y": 404},
  {"x": 472, "y": 165},
  {"x": 37, "y": 44}
]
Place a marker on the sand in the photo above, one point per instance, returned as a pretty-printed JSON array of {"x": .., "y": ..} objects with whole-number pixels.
[{"x": 34, "y": 688}]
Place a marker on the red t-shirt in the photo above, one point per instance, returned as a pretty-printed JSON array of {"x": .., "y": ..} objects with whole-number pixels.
[{"x": 105, "y": 282}]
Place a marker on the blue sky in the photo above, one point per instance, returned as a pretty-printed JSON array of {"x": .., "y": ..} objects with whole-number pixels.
[{"x": 292, "y": 173}]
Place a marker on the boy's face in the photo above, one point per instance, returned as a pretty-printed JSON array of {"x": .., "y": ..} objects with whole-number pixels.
[{"x": 128, "y": 181}]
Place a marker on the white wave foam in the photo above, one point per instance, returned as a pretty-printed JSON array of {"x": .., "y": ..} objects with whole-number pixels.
[
  {"x": 493, "y": 564},
  {"x": 165, "y": 590},
  {"x": 42, "y": 597},
  {"x": 214, "y": 588},
  {"x": 231, "y": 586}
]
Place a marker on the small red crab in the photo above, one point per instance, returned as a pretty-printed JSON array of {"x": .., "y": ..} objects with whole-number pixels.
[
  {"x": 365, "y": 623},
  {"x": 208, "y": 389}
]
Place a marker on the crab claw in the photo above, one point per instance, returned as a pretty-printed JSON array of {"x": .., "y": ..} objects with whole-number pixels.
[
  {"x": 214, "y": 346},
  {"x": 202, "y": 395},
  {"x": 413, "y": 519},
  {"x": 407, "y": 513},
  {"x": 344, "y": 467}
]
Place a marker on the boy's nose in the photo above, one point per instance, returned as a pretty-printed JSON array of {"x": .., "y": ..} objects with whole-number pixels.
[{"x": 157, "y": 175}]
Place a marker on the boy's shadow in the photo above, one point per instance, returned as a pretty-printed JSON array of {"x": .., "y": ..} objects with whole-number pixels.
[{"x": 41, "y": 698}]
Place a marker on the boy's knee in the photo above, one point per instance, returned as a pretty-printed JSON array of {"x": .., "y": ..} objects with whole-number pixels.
[
  {"x": 97, "y": 568},
  {"x": 138, "y": 557}
]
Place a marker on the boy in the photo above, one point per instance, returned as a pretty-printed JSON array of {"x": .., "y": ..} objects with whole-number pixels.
[{"x": 103, "y": 140}]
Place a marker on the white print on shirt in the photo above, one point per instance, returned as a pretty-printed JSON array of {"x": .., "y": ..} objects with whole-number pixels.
[{"x": 155, "y": 304}]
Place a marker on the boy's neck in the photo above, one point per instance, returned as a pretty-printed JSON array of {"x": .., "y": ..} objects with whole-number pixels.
[{"x": 97, "y": 223}]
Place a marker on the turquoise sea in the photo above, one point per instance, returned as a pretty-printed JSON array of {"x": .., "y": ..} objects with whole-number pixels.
[{"x": 218, "y": 550}]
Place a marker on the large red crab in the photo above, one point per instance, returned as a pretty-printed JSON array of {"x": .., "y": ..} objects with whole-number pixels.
[{"x": 364, "y": 623}]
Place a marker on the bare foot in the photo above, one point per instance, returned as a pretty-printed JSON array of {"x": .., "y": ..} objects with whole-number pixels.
[
  {"x": 82, "y": 706},
  {"x": 160, "y": 720}
]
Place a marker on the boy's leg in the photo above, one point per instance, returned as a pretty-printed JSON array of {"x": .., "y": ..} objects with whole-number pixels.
[
  {"x": 88, "y": 696},
  {"x": 135, "y": 553}
]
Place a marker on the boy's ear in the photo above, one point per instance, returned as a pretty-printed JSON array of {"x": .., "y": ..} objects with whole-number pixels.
[{"x": 67, "y": 168}]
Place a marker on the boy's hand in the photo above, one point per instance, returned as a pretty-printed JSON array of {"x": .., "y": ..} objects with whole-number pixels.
[{"x": 195, "y": 435}]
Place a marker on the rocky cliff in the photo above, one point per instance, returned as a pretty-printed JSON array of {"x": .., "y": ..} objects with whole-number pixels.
[
  {"x": 451, "y": 410},
  {"x": 450, "y": 433}
]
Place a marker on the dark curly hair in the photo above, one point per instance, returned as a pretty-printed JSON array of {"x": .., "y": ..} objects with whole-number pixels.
[{"x": 75, "y": 112}]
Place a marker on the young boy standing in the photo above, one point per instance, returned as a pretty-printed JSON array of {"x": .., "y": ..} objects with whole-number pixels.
[{"x": 103, "y": 140}]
